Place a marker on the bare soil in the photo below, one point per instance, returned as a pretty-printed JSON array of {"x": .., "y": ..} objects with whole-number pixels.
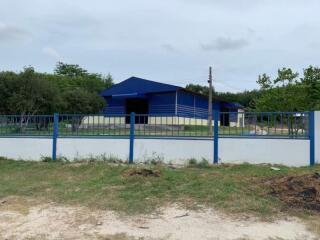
[
  {"x": 25, "y": 219},
  {"x": 298, "y": 191},
  {"x": 144, "y": 172}
]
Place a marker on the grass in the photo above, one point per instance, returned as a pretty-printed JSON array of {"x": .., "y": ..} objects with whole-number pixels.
[{"x": 100, "y": 185}]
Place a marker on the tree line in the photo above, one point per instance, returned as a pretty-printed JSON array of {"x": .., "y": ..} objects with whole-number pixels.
[
  {"x": 70, "y": 89},
  {"x": 288, "y": 91}
]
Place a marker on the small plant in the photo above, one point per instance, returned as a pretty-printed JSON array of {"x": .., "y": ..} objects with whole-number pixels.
[
  {"x": 156, "y": 159},
  {"x": 58, "y": 159},
  {"x": 110, "y": 159},
  {"x": 3, "y": 159},
  {"x": 100, "y": 158},
  {"x": 192, "y": 162},
  {"x": 202, "y": 164},
  {"x": 46, "y": 159}
]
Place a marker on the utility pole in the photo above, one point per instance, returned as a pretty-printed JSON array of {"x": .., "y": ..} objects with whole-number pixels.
[{"x": 210, "y": 102}]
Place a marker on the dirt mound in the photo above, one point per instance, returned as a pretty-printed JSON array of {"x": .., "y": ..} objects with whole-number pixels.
[
  {"x": 144, "y": 172},
  {"x": 298, "y": 191}
]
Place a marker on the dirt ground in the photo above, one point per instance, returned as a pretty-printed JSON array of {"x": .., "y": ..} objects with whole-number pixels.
[
  {"x": 298, "y": 191},
  {"x": 25, "y": 219}
]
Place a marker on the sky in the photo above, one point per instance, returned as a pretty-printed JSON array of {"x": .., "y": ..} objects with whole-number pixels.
[{"x": 171, "y": 41}]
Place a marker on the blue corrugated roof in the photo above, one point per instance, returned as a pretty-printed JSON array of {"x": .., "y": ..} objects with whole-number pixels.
[{"x": 137, "y": 86}]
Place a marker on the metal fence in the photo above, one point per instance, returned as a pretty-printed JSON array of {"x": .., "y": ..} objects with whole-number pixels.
[
  {"x": 231, "y": 124},
  {"x": 26, "y": 125},
  {"x": 275, "y": 124}
]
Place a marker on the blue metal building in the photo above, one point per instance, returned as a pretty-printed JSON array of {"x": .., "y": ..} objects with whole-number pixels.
[{"x": 149, "y": 97}]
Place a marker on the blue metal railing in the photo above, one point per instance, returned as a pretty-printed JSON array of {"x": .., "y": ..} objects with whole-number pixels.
[
  {"x": 265, "y": 124},
  {"x": 230, "y": 124},
  {"x": 26, "y": 125}
]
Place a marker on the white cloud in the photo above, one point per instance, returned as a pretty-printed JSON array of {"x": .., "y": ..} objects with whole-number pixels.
[
  {"x": 169, "y": 47},
  {"x": 12, "y": 33},
  {"x": 223, "y": 44},
  {"x": 51, "y": 52},
  {"x": 168, "y": 40}
]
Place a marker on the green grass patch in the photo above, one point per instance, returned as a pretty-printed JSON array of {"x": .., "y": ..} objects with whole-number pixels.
[{"x": 101, "y": 185}]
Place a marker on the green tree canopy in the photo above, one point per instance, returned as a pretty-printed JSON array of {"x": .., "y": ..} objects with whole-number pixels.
[
  {"x": 70, "y": 70},
  {"x": 284, "y": 93},
  {"x": 27, "y": 94},
  {"x": 30, "y": 92},
  {"x": 311, "y": 80},
  {"x": 71, "y": 76},
  {"x": 196, "y": 88},
  {"x": 81, "y": 101},
  {"x": 245, "y": 98}
]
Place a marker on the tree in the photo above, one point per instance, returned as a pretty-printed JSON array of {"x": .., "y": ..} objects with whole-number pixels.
[
  {"x": 286, "y": 93},
  {"x": 27, "y": 94},
  {"x": 264, "y": 81},
  {"x": 8, "y": 85},
  {"x": 79, "y": 101},
  {"x": 196, "y": 88},
  {"x": 71, "y": 76},
  {"x": 286, "y": 77},
  {"x": 70, "y": 70},
  {"x": 245, "y": 98},
  {"x": 311, "y": 80}
]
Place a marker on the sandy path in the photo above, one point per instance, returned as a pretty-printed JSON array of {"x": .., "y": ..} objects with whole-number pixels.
[{"x": 51, "y": 221}]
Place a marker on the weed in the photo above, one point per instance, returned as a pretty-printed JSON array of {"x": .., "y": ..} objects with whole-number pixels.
[{"x": 202, "y": 164}]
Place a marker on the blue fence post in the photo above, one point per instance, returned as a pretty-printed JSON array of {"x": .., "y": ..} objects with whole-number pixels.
[
  {"x": 216, "y": 136},
  {"x": 132, "y": 123},
  {"x": 55, "y": 135},
  {"x": 311, "y": 137}
]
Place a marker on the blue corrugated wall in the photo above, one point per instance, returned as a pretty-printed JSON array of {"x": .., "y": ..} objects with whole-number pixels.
[
  {"x": 114, "y": 106},
  {"x": 188, "y": 105},
  {"x": 162, "y": 103},
  {"x": 192, "y": 105}
]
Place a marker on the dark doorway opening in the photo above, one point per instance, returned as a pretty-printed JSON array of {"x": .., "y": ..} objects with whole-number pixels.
[
  {"x": 138, "y": 106},
  {"x": 225, "y": 117}
]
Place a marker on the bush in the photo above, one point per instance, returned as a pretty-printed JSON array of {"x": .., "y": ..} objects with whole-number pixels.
[
  {"x": 202, "y": 164},
  {"x": 49, "y": 159}
]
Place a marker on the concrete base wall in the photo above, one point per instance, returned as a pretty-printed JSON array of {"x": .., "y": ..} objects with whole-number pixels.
[
  {"x": 26, "y": 148},
  {"x": 153, "y": 120},
  {"x": 255, "y": 151},
  {"x": 77, "y": 148},
  {"x": 172, "y": 150},
  {"x": 179, "y": 151},
  {"x": 274, "y": 151}
]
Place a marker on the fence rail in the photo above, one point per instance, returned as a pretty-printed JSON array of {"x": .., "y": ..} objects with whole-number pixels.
[{"x": 231, "y": 124}]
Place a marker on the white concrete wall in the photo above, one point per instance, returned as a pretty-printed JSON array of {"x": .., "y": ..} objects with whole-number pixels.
[
  {"x": 72, "y": 148},
  {"x": 26, "y": 148},
  {"x": 275, "y": 151},
  {"x": 317, "y": 136},
  {"x": 101, "y": 121},
  {"x": 231, "y": 150},
  {"x": 172, "y": 150}
]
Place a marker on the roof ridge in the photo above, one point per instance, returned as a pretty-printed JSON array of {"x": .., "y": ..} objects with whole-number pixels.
[
  {"x": 152, "y": 81},
  {"x": 132, "y": 85}
]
